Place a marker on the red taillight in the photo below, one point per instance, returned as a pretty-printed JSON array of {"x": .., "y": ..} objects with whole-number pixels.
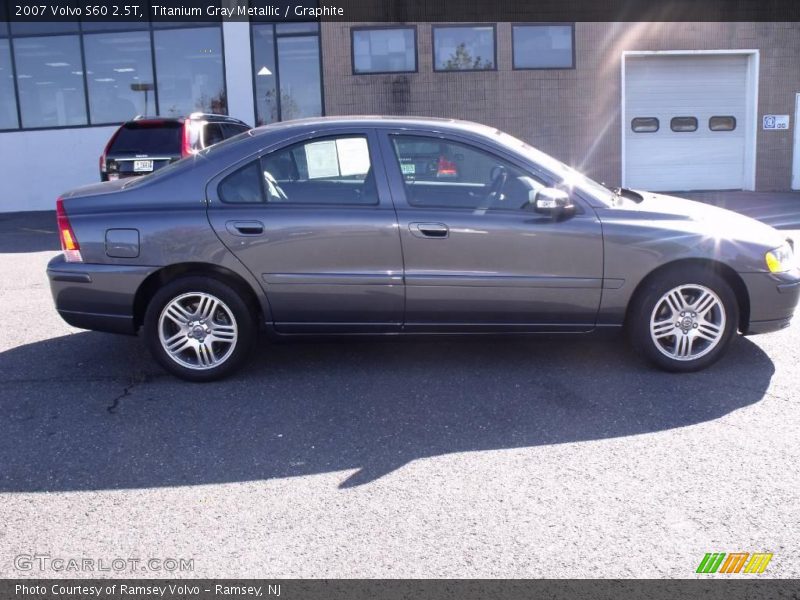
[
  {"x": 106, "y": 149},
  {"x": 69, "y": 243},
  {"x": 446, "y": 167},
  {"x": 186, "y": 143}
]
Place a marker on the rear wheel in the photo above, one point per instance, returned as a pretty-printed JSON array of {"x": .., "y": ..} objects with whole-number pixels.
[
  {"x": 199, "y": 329},
  {"x": 684, "y": 319}
]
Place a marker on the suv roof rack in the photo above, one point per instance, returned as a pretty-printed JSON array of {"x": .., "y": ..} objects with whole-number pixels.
[
  {"x": 218, "y": 117},
  {"x": 194, "y": 115}
]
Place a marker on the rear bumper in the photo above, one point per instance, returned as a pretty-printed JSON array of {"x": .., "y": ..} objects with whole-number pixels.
[
  {"x": 97, "y": 297},
  {"x": 773, "y": 299}
]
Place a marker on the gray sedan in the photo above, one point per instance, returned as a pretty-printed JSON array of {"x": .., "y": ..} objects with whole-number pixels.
[{"x": 381, "y": 225}]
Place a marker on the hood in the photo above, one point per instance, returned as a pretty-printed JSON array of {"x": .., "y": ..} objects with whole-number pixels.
[{"x": 691, "y": 216}]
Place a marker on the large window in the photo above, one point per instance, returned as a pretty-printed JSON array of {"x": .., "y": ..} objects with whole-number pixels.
[
  {"x": 8, "y": 102},
  {"x": 190, "y": 71},
  {"x": 50, "y": 81},
  {"x": 543, "y": 46},
  {"x": 286, "y": 71},
  {"x": 464, "y": 48},
  {"x": 384, "y": 49},
  {"x": 119, "y": 70},
  {"x": 114, "y": 63}
]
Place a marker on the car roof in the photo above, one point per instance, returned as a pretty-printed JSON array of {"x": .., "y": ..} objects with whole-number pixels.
[{"x": 405, "y": 122}]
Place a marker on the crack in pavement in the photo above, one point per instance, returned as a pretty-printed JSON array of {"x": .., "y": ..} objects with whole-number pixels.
[{"x": 126, "y": 391}]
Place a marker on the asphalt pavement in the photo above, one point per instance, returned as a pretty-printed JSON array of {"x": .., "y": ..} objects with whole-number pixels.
[{"x": 479, "y": 457}]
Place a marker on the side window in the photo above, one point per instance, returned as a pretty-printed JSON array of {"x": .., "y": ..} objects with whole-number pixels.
[
  {"x": 324, "y": 171},
  {"x": 445, "y": 174},
  {"x": 213, "y": 134},
  {"x": 230, "y": 130},
  {"x": 242, "y": 186}
]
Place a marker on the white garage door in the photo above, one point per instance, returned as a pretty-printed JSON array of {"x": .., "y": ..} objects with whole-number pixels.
[{"x": 685, "y": 121}]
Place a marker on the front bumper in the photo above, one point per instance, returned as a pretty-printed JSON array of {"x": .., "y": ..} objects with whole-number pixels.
[
  {"x": 94, "y": 296},
  {"x": 773, "y": 298}
]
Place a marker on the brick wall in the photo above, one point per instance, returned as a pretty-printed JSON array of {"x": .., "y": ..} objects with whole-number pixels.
[{"x": 572, "y": 113}]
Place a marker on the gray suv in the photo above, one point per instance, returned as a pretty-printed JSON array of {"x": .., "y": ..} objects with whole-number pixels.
[{"x": 335, "y": 226}]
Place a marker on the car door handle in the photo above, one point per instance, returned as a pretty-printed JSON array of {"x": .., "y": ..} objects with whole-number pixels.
[
  {"x": 429, "y": 230},
  {"x": 245, "y": 227}
]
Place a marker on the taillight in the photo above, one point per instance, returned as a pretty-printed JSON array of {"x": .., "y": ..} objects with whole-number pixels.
[
  {"x": 106, "y": 149},
  {"x": 186, "y": 144},
  {"x": 69, "y": 243}
]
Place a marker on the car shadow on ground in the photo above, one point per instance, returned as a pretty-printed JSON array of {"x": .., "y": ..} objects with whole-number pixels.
[
  {"x": 28, "y": 232},
  {"x": 90, "y": 411}
]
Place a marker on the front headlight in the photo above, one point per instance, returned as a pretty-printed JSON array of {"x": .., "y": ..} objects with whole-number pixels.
[{"x": 780, "y": 259}]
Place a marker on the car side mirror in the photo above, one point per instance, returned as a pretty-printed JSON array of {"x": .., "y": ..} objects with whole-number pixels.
[{"x": 552, "y": 202}]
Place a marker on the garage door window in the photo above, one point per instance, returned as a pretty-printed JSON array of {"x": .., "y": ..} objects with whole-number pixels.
[
  {"x": 683, "y": 124},
  {"x": 644, "y": 124},
  {"x": 722, "y": 123}
]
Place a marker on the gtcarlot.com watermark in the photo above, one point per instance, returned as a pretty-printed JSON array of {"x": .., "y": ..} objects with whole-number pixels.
[{"x": 118, "y": 564}]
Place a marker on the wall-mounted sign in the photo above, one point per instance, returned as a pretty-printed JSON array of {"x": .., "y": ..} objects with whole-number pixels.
[{"x": 773, "y": 122}]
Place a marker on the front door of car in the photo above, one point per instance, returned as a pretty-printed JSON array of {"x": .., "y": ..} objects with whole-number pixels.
[
  {"x": 313, "y": 221},
  {"x": 476, "y": 255}
]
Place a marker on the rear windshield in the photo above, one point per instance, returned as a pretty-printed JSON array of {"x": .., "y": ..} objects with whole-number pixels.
[{"x": 149, "y": 137}]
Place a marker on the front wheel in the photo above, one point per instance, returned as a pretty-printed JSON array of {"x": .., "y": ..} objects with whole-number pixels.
[
  {"x": 199, "y": 329},
  {"x": 684, "y": 319}
]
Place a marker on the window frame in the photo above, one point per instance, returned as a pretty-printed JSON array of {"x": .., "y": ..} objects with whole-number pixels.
[
  {"x": 672, "y": 126},
  {"x": 353, "y": 30},
  {"x": 275, "y": 35},
  {"x": 656, "y": 119},
  {"x": 122, "y": 28},
  {"x": 384, "y": 200},
  {"x": 735, "y": 123},
  {"x": 514, "y": 66},
  {"x": 534, "y": 170},
  {"x": 436, "y": 27}
]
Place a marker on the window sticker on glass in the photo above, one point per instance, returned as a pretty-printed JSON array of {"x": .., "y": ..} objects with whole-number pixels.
[
  {"x": 408, "y": 168},
  {"x": 322, "y": 160},
  {"x": 353, "y": 156}
]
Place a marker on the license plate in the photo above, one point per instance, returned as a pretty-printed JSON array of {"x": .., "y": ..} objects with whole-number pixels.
[{"x": 140, "y": 166}]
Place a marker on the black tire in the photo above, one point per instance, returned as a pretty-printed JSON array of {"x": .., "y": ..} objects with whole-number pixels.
[
  {"x": 651, "y": 295},
  {"x": 232, "y": 305}
]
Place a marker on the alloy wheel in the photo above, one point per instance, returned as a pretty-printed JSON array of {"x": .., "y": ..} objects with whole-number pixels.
[
  {"x": 687, "y": 322},
  {"x": 197, "y": 330}
]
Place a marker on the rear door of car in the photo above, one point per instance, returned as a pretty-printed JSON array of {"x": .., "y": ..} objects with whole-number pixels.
[
  {"x": 312, "y": 219},
  {"x": 484, "y": 261}
]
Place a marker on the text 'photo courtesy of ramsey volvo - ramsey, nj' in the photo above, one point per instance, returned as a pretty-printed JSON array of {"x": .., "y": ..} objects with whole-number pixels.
[{"x": 380, "y": 225}]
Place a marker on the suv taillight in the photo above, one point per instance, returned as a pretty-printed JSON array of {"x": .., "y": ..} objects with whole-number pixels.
[
  {"x": 69, "y": 243},
  {"x": 105, "y": 152},
  {"x": 186, "y": 142}
]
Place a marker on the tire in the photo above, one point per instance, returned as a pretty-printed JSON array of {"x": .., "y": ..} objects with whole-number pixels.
[
  {"x": 683, "y": 320},
  {"x": 199, "y": 329}
]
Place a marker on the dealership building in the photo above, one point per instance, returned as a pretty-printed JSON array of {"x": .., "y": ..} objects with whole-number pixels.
[{"x": 668, "y": 106}]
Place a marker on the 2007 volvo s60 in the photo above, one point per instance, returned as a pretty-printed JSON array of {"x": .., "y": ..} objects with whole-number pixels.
[{"x": 384, "y": 225}]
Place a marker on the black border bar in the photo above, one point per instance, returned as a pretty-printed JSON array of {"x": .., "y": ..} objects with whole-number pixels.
[
  {"x": 403, "y": 11},
  {"x": 711, "y": 587}
]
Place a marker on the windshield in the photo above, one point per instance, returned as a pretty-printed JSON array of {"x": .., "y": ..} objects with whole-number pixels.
[{"x": 569, "y": 176}]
